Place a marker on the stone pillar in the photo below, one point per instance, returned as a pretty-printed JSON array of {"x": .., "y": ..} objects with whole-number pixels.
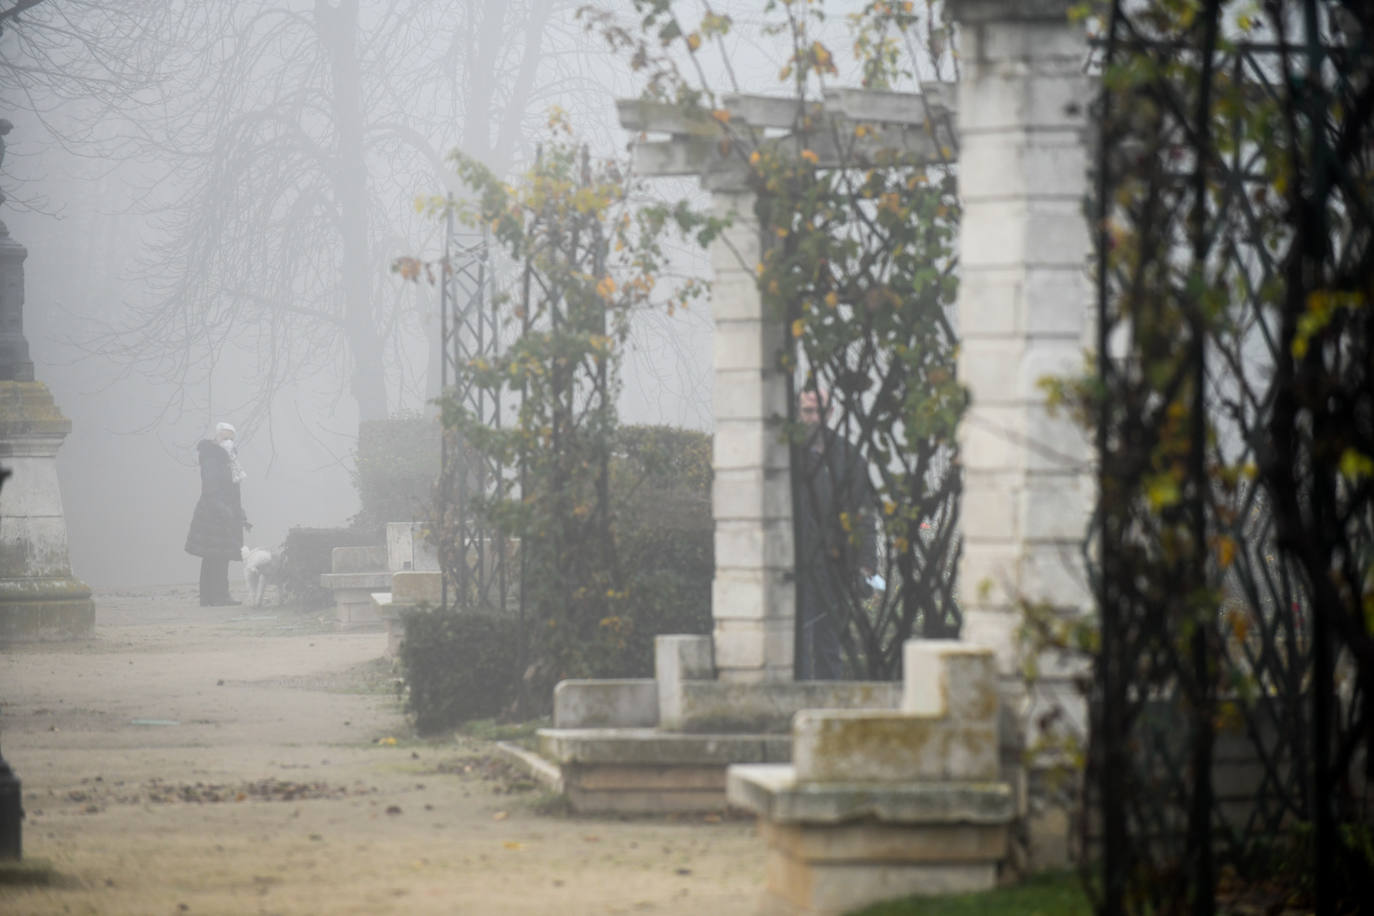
[
  {"x": 1025, "y": 312},
  {"x": 753, "y": 594},
  {"x": 1025, "y": 303},
  {"x": 38, "y": 595}
]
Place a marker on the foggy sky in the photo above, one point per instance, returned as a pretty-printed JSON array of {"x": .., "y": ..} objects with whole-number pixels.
[{"x": 128, "y": 468}]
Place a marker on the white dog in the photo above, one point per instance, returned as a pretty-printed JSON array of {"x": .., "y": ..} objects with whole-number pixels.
[{"x": 259, "y": 565}]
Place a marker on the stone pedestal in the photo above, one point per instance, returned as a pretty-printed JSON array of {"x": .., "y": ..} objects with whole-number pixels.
[
  {"x": 883, "y": 804},
  {"x": 753, "y": 594},
  {"x": 38, "y": 595},
  {"x": 1025, "y": 308},
  {"x": 357, "y": 572}
]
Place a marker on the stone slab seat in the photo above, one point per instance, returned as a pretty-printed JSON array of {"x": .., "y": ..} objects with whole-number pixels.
[
  {"x": 357, "y": 572},
  {"x": 409, "y": 589},
  {"x": 878, "y": 803},
  {"x": 649, "y": 771},
  {"x": 773, "y": 792}
]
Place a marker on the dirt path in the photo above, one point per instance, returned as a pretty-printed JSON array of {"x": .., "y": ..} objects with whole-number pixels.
[{"x": 232, "y": 761}]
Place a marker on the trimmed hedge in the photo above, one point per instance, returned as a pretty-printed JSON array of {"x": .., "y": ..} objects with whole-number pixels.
[
  {"x": 458, "y": 666},
  {"x": 464, "y": 665},
  {"x": 307, "y": 553},
  {"x": 661, "y": 477}
]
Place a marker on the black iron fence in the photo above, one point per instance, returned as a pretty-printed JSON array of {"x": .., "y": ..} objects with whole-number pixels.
[{"x": 1235, "y": 429}]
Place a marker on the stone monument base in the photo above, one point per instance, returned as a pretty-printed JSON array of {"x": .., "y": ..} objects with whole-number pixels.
[
  {"x": 39, "y": 598},
  {"x": 48, "y": 608}
]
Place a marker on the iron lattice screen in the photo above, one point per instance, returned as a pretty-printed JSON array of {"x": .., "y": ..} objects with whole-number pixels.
[
  {"x": 475, "y": 561},
  {"x": 1235, "y": 543}
]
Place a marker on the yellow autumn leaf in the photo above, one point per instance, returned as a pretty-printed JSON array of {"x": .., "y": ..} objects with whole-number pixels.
[
  {"x": 831, "y": 300},
  {"x": 810, "y": 156},
  {"x": 821, "y": 53},
  {"x": 693, "y": 41},
  {"x": 1356, "y": 465},
  {"x": 1162, "y": 491},
  {"x": 798, "y": 327},
  {"x": 721, "y": 115},
  {"x": 1226, "y": 551},
  {"x": 605, "y": 287},
  {"x": 754, "y": 157}
]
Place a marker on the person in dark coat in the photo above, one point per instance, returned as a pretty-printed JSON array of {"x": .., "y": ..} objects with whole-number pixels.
[
  {"x": 836, "y": 546},
  {"x": 217, "y": 525}
]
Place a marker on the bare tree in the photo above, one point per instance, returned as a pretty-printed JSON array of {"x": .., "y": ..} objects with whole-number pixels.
[{"x": 289, "y": 140}]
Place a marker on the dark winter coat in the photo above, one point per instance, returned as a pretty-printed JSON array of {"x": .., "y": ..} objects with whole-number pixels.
[
  {"x": 217, "y": 525},
  {"x": 833, "y": 480}
]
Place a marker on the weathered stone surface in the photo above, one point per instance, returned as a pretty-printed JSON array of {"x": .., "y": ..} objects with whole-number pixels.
[
  {"x": 677, "y": 658},
  {"x": 949, "y": 678},
  {"x": 643, "y": 801},
  {"x": 39, "y": 598},
  {"x": 774, "y": 793},
  {"x": 707, "y": 706},
  {"x": 759, "y": 650},
  {"x": 619, "y": 703},
  {"x": 356, "y": 580},
  {"x": 611, "y": 777},
  {"x": 410, "y": 588},
  {"x": 887, "y": 842},
  {"x": 358, "y": 560},
  {"x": 854, "y": 746},
  {"x": 756, "y": 593},
  {"x": 647, "y": 746},
  {"x": 407, "y": 549},
  {"x": 835, "y": 888},
  {"x": 50, "y": 608}
]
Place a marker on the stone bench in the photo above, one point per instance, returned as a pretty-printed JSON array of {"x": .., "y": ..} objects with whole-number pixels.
[
  {"x": 409, "y": 589},
  {"x": 648, "y": 746},
  {"x": 357, "y": 572},
  {"x": 882, "y": 804}
]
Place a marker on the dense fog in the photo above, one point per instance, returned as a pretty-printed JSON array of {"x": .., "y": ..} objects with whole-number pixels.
[{"x": 182, "y": 202}]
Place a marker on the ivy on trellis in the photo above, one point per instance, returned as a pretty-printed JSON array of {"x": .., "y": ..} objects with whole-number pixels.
[
  {"x": 580, "y": 256},
  {"x": 858, "y": 224}
]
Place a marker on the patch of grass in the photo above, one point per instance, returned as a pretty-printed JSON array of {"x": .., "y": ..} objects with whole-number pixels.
[
  {"x": 522, "y": 733},
  {"x": 1048, "y": 894}
]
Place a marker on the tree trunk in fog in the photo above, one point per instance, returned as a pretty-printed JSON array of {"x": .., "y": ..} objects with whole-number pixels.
[
  {"x": 338, "y": 28},
  {"x": 481, "y": 107}
]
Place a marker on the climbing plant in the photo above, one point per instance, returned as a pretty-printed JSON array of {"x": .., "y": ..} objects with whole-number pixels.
[
  {"x": 858, "y": 267},
  {"x": 1233, "y": 409},
  {"x": 581, "y": 255}
]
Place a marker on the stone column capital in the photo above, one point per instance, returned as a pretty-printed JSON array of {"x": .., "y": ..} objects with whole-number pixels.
[{"x": 974, "y": 12}]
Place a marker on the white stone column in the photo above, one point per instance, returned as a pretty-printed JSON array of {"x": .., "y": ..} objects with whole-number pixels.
[
  {"x": 753, "y": 594},
  {"x": 1025, "y": 308}
]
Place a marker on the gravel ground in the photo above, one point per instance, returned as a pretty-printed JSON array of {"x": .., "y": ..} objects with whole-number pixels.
[{"x": 245, "y": 761}]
